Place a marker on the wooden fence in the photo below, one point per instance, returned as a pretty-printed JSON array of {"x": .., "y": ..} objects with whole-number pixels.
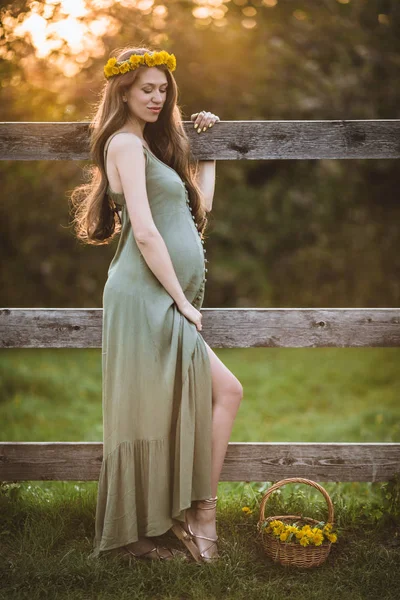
[{"x": 222, "y": 328}]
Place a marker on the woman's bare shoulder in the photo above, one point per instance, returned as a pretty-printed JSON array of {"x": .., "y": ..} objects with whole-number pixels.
[{"x": 121, "y": 142}]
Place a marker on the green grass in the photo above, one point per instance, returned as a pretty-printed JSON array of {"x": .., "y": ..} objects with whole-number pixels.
[{"x": 321, "y": 395}]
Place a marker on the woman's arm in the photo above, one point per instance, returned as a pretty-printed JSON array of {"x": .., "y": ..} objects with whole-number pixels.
[
  {"x": 206, "y": 181},
  {"x": 127, "y": 153},
  {"x": 202, "y": 121}
]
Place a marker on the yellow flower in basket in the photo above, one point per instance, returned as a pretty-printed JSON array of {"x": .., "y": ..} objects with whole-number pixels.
[
  {"x": 304, "y": 535},
  {"x": 304, "y": 541}
]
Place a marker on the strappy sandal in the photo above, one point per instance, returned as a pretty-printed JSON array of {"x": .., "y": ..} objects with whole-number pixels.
[
  {"x": 184, "y": 532},
  {"x": 173, "y": 553}
]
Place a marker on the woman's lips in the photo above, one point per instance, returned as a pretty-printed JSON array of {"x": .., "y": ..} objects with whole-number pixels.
[{"x": 155, "y": 110}]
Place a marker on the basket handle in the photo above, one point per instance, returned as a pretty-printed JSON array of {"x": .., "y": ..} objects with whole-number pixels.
[{"x": 283, "y": 482}]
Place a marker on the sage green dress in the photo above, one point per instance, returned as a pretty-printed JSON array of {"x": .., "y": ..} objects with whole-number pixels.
[{"x": 157, "y": 389}]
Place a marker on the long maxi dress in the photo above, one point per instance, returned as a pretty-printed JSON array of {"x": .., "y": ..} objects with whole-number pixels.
[{"x": 156, "y": 376}]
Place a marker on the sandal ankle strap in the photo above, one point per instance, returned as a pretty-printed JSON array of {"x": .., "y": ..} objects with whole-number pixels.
[{"x": 212, "y": 501}]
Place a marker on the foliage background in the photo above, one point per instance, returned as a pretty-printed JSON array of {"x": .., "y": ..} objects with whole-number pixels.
[{"x": 285, "y": 233}]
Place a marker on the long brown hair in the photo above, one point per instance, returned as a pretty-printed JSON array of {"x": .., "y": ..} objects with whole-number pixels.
[{"x": 95, "y": 219}]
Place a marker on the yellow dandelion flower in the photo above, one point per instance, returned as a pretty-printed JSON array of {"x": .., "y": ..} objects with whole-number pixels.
[
  {"x": 108, "y": 71},
  {"x": 304, "y": 541},
  {"x": 136, "y": 60},
  {"x": 159, "y": 58},
  {"x": 111, "y": 62},
  {"x": 284, "y": 535},
  {"x": 124, "y": 68},
  {"x": 162, "y": 56},
  {"x": 309, "y": 534},
  {"x": 152, "y": 61},
  {"x": 147, "y": 59},
  {"x": 245, "y": 508},
  {"x": 332, "y": 537},
  {"x": 318, "y": 542},
  {"x": 317, "y": 539},
  {"x": 115, "y": 70},
  {"x": 171, "y": 63}
]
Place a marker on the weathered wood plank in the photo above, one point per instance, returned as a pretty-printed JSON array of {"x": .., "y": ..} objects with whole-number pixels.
[
  {"x": 228, "y": 140},
  {"x": 244, "y": 461},
  {"x": 222, "y": 327}
]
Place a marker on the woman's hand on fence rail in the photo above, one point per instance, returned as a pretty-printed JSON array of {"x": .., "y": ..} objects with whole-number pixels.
[{"x": 203, "y": 120}]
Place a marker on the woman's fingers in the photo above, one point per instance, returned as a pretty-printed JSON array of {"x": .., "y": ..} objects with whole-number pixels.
[{"x": 204, "y": 120}]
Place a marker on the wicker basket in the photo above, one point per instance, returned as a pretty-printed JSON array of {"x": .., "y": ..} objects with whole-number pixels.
[{"x": 292, "y": 553}]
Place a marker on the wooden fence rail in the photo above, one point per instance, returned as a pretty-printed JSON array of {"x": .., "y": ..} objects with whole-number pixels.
[
  {"x": 222, "y": 328},
  {"x": 228, "y": 140},
  {"x": 81, "y": 461}
]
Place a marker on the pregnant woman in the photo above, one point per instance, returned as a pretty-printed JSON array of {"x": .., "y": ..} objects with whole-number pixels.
[{"x": 168, "y": 401}]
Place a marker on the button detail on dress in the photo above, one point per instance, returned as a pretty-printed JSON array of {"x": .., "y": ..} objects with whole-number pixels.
[{"x": 201, "y": 290}]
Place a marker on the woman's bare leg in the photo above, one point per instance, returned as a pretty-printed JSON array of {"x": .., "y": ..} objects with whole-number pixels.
[{"x": 227, "y": 393}]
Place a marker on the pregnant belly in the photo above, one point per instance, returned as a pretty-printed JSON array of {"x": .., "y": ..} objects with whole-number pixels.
[{"x": 184, "y": 246}]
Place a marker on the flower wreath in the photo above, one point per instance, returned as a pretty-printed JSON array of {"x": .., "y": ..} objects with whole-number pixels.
[{"x": 114, "y": 67}]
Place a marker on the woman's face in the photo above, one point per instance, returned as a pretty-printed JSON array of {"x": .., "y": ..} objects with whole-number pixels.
[{"x": 148, "y": 90}]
